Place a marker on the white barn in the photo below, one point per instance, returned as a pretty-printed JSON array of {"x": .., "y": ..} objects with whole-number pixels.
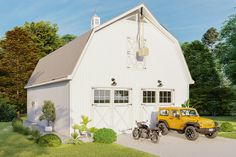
[{"x": 116, "y": 73}]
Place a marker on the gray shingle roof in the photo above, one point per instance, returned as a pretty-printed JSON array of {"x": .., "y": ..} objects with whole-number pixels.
[{"x": 60, "y": 63}]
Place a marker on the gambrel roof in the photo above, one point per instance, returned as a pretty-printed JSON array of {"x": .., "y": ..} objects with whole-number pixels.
[{"x": 61, "y": 64}]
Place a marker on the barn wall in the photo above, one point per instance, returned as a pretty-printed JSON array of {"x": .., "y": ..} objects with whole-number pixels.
[
  {"x": 57, "y": 93},
  {"x": 106, "y": 58}
]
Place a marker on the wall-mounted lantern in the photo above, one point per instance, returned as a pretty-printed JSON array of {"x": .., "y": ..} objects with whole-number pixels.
[
  {"x": 160, "y": 84},
  {"x": 113, "y": 82}
]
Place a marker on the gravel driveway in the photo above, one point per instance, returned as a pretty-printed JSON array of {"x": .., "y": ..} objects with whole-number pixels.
[{"x": 175, "y": 145}]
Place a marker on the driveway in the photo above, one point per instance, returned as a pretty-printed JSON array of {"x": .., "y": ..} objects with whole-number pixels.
[{"x": 175, "y": 145}]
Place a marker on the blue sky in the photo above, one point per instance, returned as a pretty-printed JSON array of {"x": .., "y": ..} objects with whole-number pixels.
[{"x": 185, "y": 19}]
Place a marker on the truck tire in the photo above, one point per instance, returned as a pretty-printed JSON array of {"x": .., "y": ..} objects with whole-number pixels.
[
  {"x": 212, "y": 135},
  {"x": 191, "y": 133},
  {"x": 163, "y": 128}
]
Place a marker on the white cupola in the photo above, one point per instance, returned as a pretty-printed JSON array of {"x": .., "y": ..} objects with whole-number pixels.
[{"x": 95, "y": 21}]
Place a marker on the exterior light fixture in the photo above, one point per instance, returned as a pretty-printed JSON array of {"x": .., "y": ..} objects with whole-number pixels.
[
  {"x": 113, "y": 82},
  {"x": 160, "y": 84}
]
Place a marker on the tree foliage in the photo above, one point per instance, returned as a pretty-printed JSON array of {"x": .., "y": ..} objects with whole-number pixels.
[
  {"x": 44, "y": 34},
  {"x": 226, "y": 50},
  {"x": 67, "y": 38},
  {"x": 207, "y": 94},
  {"x": 210, "y": 37},
  {"x": 49, "y": 112},
  {"x": 17, "y": 61}
]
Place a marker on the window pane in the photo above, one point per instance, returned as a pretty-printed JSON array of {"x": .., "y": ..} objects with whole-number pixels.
[
  {"x": 153, "y": 100},
  {"x": 149, "y": 96},
  {"x": 169, "y": 94},
  {"x": 144, "y": 93},
  {"x": 144, "y": 100},
  {"x": 121, "y": 96},
  {"x": 153, "y": 93},
  {"x": 101, "y": 96}
]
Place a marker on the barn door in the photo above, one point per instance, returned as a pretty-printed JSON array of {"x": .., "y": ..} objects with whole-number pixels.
[
  {"x": 112, "y": 108},
  {"x": 149, "y": 104},
  {"x": 152, "y": 99}
]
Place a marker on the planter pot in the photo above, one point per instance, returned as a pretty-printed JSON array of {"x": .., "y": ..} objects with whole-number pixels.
[{"x": 48, "y": 128}]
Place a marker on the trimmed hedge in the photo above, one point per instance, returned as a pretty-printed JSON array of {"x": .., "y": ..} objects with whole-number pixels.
[
  {"x": 105, "y": 135},
  {"x": 49, "y": 140},
  {"x": 226, "y": 127}
]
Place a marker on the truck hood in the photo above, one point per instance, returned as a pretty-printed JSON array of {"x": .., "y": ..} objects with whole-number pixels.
[{"x": 205, "y": 122}]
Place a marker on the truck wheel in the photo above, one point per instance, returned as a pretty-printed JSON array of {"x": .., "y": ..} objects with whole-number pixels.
[
  {"x": 136, "y": 133},
  {"x": 154, "y": 137},
  {"x": 212, "y": 134},
  {"x": 191, "y": 133},
  {"x": 163, "y": 128}
]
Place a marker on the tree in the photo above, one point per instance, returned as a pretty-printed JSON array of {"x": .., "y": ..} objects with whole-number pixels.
[
  {"x": 227, "y": 50},
  {"x": 202, "y": 67},
  {"x": 210, "y": 37},
  {"x": 67, "y": 38},
  {"x": 49, "y": 112},
  {"x": 201, "y": 64},
  {"x": 17, "y": 61},
  {"x": 44, "y": 34}
]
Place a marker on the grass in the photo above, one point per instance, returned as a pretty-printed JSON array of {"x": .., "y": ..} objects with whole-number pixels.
[
  {"x": 221, "y": 119},
  {"x": 16, "y": 145}
]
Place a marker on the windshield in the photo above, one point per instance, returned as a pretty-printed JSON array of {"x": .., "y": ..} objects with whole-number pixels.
[{"x": 188, "y": 112}]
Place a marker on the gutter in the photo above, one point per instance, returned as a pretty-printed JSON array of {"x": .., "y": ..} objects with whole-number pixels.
[{"x": 48, "y": 82}]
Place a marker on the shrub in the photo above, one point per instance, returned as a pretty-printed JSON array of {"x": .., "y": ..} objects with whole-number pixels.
[
  {"x": 226, "y": 127},
  {"x": 105, "y": 135},
  {"x": 8, "y": 112},
  {"x": 49, "y": 140},
  {"x": 35, "y": 135},
  {"x": 93, "y": 130},
  {"x": 26, "y": 131},
  {"x": 49, "y": 112},
  {"x": 17, "y": 125}
]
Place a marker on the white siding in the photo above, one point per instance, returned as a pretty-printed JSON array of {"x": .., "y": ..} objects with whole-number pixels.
[
  {"x": 57, "y": 93},
  {"x": 106, "y": 58}
]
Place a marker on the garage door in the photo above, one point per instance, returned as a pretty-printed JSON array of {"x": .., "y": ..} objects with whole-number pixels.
[
  {"x": 112, "y": 108},
  {"x": 154, "y": 98}
]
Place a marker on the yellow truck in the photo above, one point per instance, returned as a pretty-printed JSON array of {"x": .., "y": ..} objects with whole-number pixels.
[{"x": 185, "y": 121}]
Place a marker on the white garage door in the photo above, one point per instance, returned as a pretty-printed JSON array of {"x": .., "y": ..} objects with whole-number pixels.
[
  {"x": 112, "y": 108},
  {"x": 154, "y": 98}
]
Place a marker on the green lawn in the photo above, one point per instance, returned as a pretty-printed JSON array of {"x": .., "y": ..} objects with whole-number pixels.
[
  {"x": 231, "y": 119},
  {"x": 16, "y": 145}
]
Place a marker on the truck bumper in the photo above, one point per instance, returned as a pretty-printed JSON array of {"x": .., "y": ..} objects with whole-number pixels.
[{"x": 208, "y": 130}]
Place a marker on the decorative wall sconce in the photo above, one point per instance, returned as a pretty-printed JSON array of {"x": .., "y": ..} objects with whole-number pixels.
[
  {"x": 160, "y": 84},
  {"x": 113, "y": 82}
]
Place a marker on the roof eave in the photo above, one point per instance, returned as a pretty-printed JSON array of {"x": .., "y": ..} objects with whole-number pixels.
[{"x": 68, "y": 78}]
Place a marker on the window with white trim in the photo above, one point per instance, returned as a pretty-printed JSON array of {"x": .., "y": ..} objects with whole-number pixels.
[
  {"x": 121, "y": 96},
  {"x": 102, "y": 96},
  {"x": 149, "y": 96},
  {"x": 165, "y": 97}
]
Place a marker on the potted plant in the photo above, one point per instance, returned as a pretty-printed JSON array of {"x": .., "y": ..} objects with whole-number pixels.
[{"x": 49, "y": 114}]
